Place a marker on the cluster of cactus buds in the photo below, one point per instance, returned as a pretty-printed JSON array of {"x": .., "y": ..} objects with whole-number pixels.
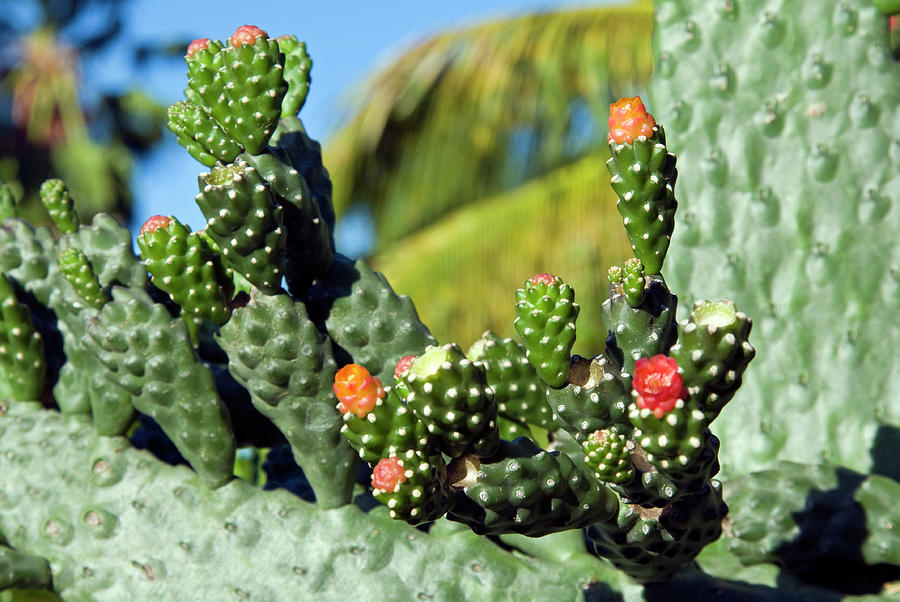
[{"x": 255, "y": 320}]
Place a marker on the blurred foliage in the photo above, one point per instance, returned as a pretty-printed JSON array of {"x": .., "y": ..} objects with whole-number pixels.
[
  {"x": 480, "y": 155},
  {"x": 51, "y": 123}
]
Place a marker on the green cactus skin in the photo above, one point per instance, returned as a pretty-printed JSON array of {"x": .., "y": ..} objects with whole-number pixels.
[
  {"x": 674, "y": 440},
  {"x": 643, "y": 177},
  {"x": 608, "y": 455},
  {"x": 58, "y": 202},
  {"x": 205, "y": 87},
  {"x": 390, "y": 429},
  {"x": 810, "y": 251},
  {"x": 450, "y": 395},
  {"x": 391, "y": 330},
  {"x": 519, "y": 393},
  {"x": 22, "y": 365},
  {"x": 533, "y": 492},
  {"x": 253, "y": 88},
  {"x": 245, "y": 223},
  {"x": 23, "y": 571},
  {"x": 545, "y": 319},
  {"x": 424, "y": 495},
  {"x": 181, "y": 264},
  {"x": 641, "y": 331},
  {"x": 807, "y": 516},
  {"x": 200, "y": 135},
  {"x": 112, "y": 408},
  {"x": 8, "y": 207},
  {"x": 150, "y": 355},
  {"x": 297, "y": 67},
  {"x": 712, "y": 353},
  {"x": 76, "y": 268},
  {"x": 286, "y": 364}
]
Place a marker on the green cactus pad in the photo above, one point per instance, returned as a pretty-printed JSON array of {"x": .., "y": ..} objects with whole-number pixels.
[
  {"x": 200, "y": 135},
  {"x": 245, "y": 223},
  {"x": 8, "y": 207},
  {"x": 424, "y": 495},
  {"x": 545, "y": 319},
  {"x": 297, "y": 66},
  {"x": 75, "y": 267},
  {"x": 181, "y": 264},
  {"x": 712, "y": 353},
  {"x": 607, "y": 454},
  {"x": 205, "y": 87},
  {"x": 391, "y": 328},
  {"x": 150, "y": 355},
  {"x": 519, "y": 393},
  {"x": 641, "y": 331},
  {"x": 22, "y": 364},
  {"x": 58, "y": 202},
  {"x": 390, "y": 429},
  {"x": 450, "y": 395},
  {"x": 286, "y": 364},
  {"x": 253, "y": 87},
  {"x": 643, "y": 177},
  {"x": 531, "y": 491}
]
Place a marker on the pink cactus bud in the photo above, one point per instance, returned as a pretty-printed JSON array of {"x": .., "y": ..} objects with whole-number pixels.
[
  {"x": 548, "y": 279},
  {"x": 388, "y": 474},
  {"x": 357, "y": 390},
  {"x": 155, "y": 223},
  {"x": 628, "y": 119},
  {"x": 657, "y": 384},
  {"x": 403, "y": 365},
  {"x": 247, "y": 34},
  {"x": 197, "y": 45}
]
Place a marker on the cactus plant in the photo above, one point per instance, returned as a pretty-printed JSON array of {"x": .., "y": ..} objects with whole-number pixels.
[{"x": 253, "y": 334}]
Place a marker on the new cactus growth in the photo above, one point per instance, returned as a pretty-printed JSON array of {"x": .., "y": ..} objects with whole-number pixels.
[{"x": 254, "y": 334}]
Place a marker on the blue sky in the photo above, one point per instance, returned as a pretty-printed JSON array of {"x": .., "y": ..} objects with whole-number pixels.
[{"x": 346, "y": 39}]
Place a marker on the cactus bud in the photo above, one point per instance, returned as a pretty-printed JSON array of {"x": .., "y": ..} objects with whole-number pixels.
[
  {"x": 548, "y": 279},
  {"x": 357, "y": 390},
  {"x": 657, "y": 384},
  {"x": 388, "y": 474},
  {"x": 628, "y": 119},
  {"x": 155, "y": 223},
  {"x": 403, "y": 365},
  {"x": 247, "y": 35},
  {"x": 197, "y": 45}
]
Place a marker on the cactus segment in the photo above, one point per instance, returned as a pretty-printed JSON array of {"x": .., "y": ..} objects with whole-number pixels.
[
  {"x": 245, "y": 223},
  {"x": 450, "y": 395},
  {"x": 23, "y": 571},
  {"x": 519, "y": 393},
  {"x": 413, "y": 486},
  {"x": 297, "y": 66},
  {"x": 643, "y": 176},
  {"x": 22, "y": 363},
  {"x": 712, "y": 353},
  {"x": 58, "y": 202},
  {"x": 631, "y": 278},
  {"x": 532, "y": 492},
  {"x": 181, "y": 264},
  {"x": 253, "y": 88},
  {"x": 205, "y": 88},
  {"x": 275, "y": 351},
  {"x": 641, "y": 331},
  {"x": 150, "y": 354},
  {"x": 8, "y": 207},
  {"x": 200, "y": 135},
  {"x": 600, "y": 399},
  {"x": 391, "y": 330},
  {"x": 75, "y": 267},
  {"x": 545, "y": 319},
  {"x": 608, "y": 454},
  {"x": 112, "y": 409},
  {"x": 391, "y": 428},
  {"x": 673, "y": 441}
]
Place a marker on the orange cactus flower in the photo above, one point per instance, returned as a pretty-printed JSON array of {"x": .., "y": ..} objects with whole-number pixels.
[
  {"x": 628, "y": 119},
  {"x": 357, "y": 390},
  {"x": 388, "y": 474},
  {"x": 657, "y": 384}
]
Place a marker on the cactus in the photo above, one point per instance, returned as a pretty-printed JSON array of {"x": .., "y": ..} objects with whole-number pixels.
[{"x": 253, "y": 335}]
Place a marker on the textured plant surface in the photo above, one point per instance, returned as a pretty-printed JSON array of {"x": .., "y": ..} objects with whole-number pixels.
[{"x": 136, "y": 388}]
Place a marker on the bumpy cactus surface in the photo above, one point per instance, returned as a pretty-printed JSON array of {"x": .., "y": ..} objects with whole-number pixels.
[{"x": 252, "y": 347}]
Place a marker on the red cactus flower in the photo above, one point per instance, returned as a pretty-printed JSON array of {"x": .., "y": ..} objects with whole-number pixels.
[
  {"x": 357, "y": 390},
  {"x": 155, "y": 223},
  {"x": 548, "y": 279},
  {"x": 403, "y": 365},
  {"x": 658, "y": 384},
  {"x": 628, "y": 119},
  {"x": 388, "y": 474},
  {"x": 198, "y": 45},
  {"x": 247, "y": 34}
]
